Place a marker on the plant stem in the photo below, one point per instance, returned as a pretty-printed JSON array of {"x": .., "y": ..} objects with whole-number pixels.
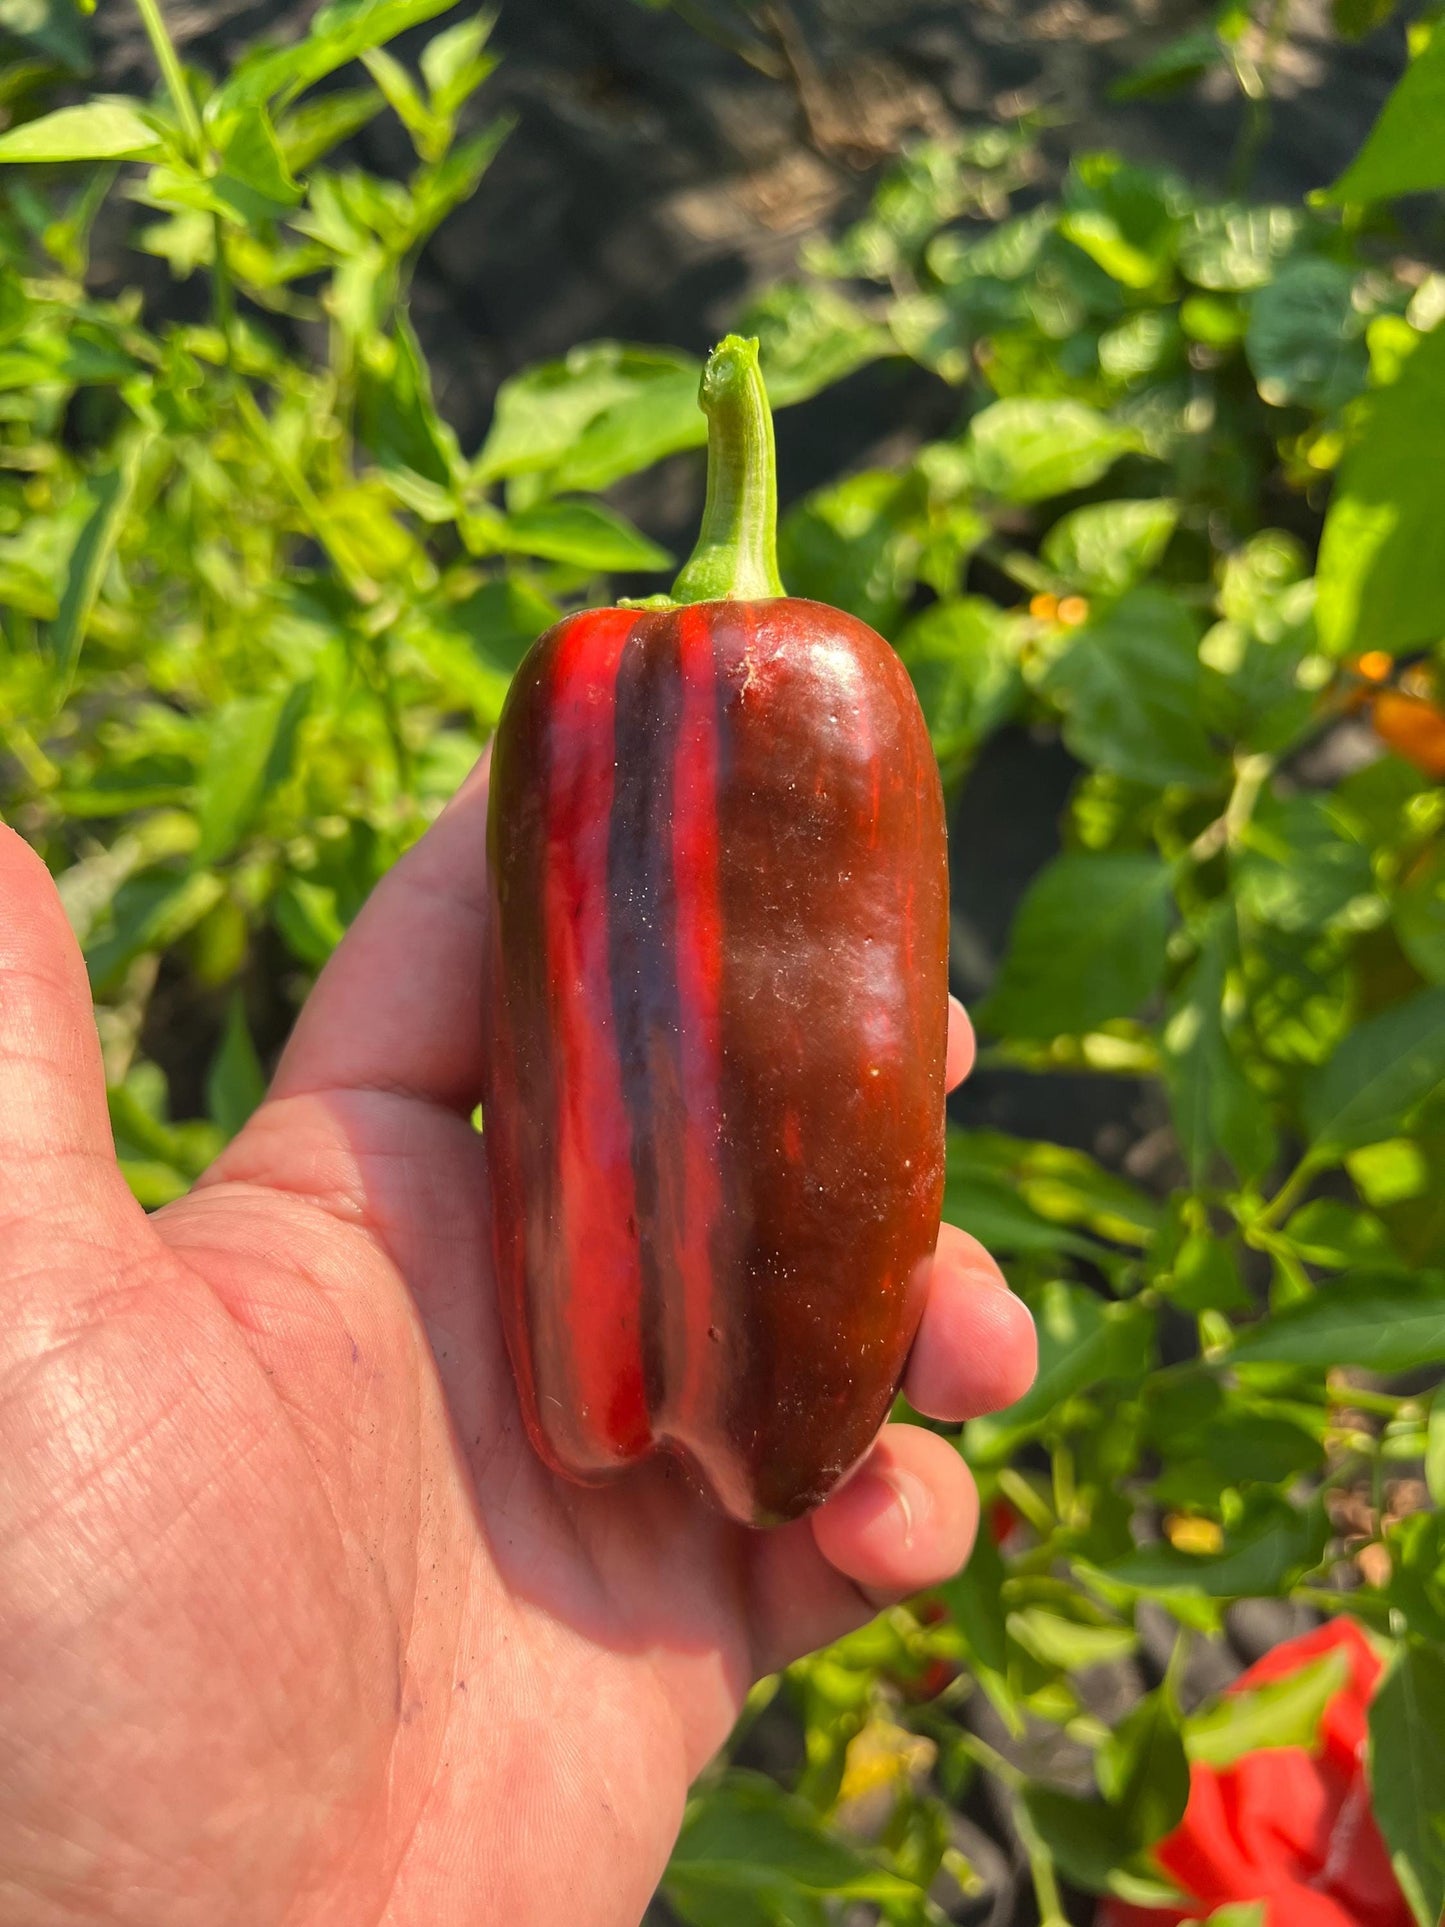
[
  {"x": 736, "y": 558},
  {"x": 172, "y": 72},
  {"x": 1041, "y": 1868}
]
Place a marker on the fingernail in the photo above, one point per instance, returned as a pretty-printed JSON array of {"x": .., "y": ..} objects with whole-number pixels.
[{"x": 902, "y": 1491}]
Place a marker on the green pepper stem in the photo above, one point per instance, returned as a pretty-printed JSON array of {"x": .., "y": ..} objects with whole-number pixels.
[{"x": 736, "y": 558}]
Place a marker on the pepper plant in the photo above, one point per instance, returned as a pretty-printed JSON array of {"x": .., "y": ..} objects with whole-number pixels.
[{"x": 259, "y": 612}]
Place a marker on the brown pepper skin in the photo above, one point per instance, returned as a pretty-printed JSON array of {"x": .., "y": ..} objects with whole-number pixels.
[{"x": 718, "y": 1009}]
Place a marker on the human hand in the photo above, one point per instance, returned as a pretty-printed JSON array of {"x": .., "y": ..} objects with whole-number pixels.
[{"x": 294, "y": 1629}]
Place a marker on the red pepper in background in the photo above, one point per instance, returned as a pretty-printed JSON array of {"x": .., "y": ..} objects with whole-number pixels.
[
  {"x": 718, "y": 1012},
  {"x": 1289, "y": 1828}
]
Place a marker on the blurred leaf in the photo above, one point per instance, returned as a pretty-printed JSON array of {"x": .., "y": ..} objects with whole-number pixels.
[
  {"x": 309, "y": 920},
  {"x": 1124, "y": 218},
  {"x": 1142, "y": 1769},
  {"x": 111, "y": 495},
  {"x": 249, "y": 752},
  {"x": 959, "y": 656},
  {"x": 583, "y": 533},
  {"x": 101, "y": 130},
  {"x": 1281, "y": 1712},
  {"x": 974, "y": 1597},
  {"x": 1084, "y": 1340},
  {"x": 1305, "y": 340},
  {"x": 1069, "y": 1644},
  {"x": 396, "y": 414},
  {"x": 1217, "y": 1111},
  {"x": 1419, "y": 916},
  {"x": 1435, "y": 1452},
  {"x": 1388, "y": 1320},
  {"x": 236, "y": 1082},
  {"x": 850, "y": 546},
  {"x": 1025, "y": 451},
  {"x": 1354, "y": 19},
  {"x": 1402, "y": 154},
  {"x": 1327, "y": 1231},
  {"x": 338, "y": 33},
  {"x": 1301, "y": 865},
  {"x": 1379, "y": 1073},
  {"x": 1407, "y": 1773},
  {"x": 542, "y": 414},
  {"x": 1088, "y": 944},
  {"x": 1230, "y": 249},
  {"x": 1129, "y": 686},
  {"x": 1176, "y": 65},
  {"x": 150, "y": 912},
  {"x": 453, "y": 64},
  {"x": 1382, "y": 555},
  {"x": 314, "y": 127},
  {"x": 1107, "y": 547},
  {"x": 748, "y": 1844},
  {"x": 809, "y": 337},
  {"x": 1268, "y": 1548}
]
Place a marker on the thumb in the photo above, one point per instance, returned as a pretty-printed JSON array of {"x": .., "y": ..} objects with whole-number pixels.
[{"x": 60, "y": 1185}]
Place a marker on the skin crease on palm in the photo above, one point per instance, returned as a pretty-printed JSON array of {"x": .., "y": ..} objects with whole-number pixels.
[{"x": 294, "y": 1629}]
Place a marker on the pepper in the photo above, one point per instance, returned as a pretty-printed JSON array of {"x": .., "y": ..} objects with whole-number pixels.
[{"x": 717, "y": 1012}]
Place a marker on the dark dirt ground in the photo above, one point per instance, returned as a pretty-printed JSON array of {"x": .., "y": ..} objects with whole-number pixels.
[{"x": 653, "y": 181}]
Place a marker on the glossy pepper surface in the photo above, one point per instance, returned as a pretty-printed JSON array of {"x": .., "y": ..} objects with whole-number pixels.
[{"x": 718, "y": 1013}]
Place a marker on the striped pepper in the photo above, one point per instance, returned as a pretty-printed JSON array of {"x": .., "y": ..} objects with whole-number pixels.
[{"x": 718, "y": 1012}]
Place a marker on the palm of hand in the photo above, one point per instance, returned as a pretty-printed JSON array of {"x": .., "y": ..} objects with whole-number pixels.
[{"x": 293, "y": 1626}]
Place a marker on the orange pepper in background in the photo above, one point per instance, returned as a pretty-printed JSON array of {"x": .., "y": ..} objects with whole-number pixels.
[{"x": 1412, "y": 726}]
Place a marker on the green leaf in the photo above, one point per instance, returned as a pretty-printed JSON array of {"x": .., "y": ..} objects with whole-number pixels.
[
  {"x": 582, "y": 533},
  {"x": 314, "y": 127},
  {"x": 255, "y": 181},
  {"x": 1407, "y": 1774},
  {"x": 809, "y": 337},
  {"x": 1305, "y": 340},
  {"x": 1264, "y": 1553},
  {"x": 236, "y": 1082},
  {"x": 111, "y": 495},
  {"x": 1403, "y": 152},
  {"x": 748, "y": 1841},
  {"x": 1107, "y": 547},
  {"x": 1382, "y": 554},
  {"x": 308, "y": 917},
  {"x": 1129, "y": 685},
  {"x": 249, "y": 752},
  {"x": 1301, "y": 863},
  {"x": 397, "y": 419},
  {"x": 1143, "y": 1770},
  {"x": 958, "y": 653},
  {"x": 1380, "y": 1073},
  {"x": 543, "y": 414},
  {"x": 1069, "y": 1644},
  {"x": 850, "y": 545},
  {"x": 1087, "y": 1841},
  {"x": 1327, "y": 1231},
  {"x": 1084, "y": 1340},
  {"x": 1217, "y": 1111},
  {"x": 1435, "y": 1451},
  {"x": 1282, "y": 1712},
  {"x": 1176, "y": 65},
  {"x": 150, "y": 913},
  {"x": 1419, "y": 916},
  {"x": 1230, "y": 249},
  {"x": 1387, "y": 1320},
  {"x": 338, "y": 34},
  {"x": 974, "y": 1597},
  {"x": 1124, "y": 218},
  {"x": 101, "y": 130},
  {"x": 452, "y": 63},
  {"x": 1025, "y": 450},
  {"x": 1088, "y": 944}
]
